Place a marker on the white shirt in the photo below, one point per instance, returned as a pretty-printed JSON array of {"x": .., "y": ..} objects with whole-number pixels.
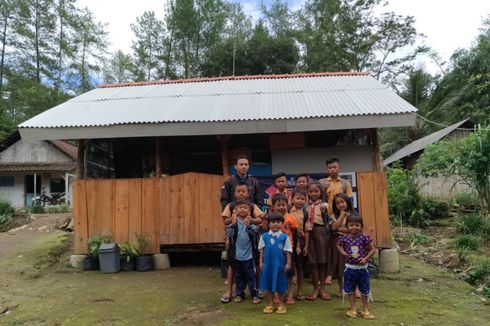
[{"x": 287, "y": 245}]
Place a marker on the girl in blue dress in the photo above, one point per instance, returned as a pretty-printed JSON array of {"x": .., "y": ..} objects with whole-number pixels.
[{"x": 275, "y": 260}]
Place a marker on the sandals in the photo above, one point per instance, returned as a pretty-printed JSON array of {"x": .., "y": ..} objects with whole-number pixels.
[
  {"x": 300, "y": 297},
  {"x": 281, "y": 310},
  {"x": 351, "y": 313},
  {"x": 289, "y": 301},
  {"x": 238, "y": 299},
  {"x": 311, "y": 297},
  {"x": 268, "y": 310},
  {"x": 367, "y": 315},
  {"x": 225, "y": 299},
  {"x": 325, "y": 296},
  {"x": 256, "y": 300}
]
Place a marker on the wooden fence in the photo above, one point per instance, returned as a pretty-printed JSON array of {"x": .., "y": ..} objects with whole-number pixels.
[{"x": 185, "y": 209}]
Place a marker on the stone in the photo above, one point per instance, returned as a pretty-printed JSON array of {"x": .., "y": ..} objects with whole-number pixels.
[
  {"x": 389, "y": 260},
  {"x": 161, "y": 261},
  {"x": 76, "y": 261}
]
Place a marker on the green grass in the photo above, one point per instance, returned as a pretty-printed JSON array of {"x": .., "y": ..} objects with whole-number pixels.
[
  {"x": 420, "y": 295},
  {"x": 419, "y": 238},
  {"x": 467, "y": 241}
]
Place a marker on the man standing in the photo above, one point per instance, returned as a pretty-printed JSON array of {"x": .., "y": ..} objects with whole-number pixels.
[{"x": 334, "y": 184}]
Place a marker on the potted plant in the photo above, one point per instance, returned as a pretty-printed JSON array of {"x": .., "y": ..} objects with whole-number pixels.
[
  {"x": 144, "y": 263},
  {"x": 129, "y": 252},
  {"x": 91, "y": 262}
]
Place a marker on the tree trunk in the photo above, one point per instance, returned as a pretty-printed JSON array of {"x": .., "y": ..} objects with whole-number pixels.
[
  {"x": 4, "y": 41},
  {"x": 36, "y": 44},
  {"x": 57, "y": 84}
]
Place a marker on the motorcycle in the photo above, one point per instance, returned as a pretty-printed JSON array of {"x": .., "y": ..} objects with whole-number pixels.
[{"x": 55, "y": 198}]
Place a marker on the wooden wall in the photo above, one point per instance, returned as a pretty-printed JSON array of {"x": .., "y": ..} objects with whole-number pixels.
[{"x": 185, "y": 209}]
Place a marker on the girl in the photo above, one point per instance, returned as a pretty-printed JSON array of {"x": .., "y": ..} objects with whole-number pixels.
[
  {"x": 357, "y": 248},
  {"x": 342, "y": 208},
  {"x": 275, "y": 260},
  {"x": 298, "y": 211},
  {"x": 316, "y": 240}
]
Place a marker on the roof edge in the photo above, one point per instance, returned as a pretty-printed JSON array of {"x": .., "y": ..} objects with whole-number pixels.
[{"x": 245, "y": 77}]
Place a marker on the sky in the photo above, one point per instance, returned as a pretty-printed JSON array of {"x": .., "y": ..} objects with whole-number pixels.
[{"x": 447, "y": 25}]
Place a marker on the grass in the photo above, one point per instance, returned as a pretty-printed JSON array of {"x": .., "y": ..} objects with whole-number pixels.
[
  {"x": 419, "y": 238},
  {"x": 471, "y": 223},
  {"x": 420, "y": 295},
  {"x": 467, "y": 241}
]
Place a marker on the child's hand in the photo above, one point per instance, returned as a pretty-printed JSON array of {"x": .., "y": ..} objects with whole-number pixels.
[
  {"x": 233, "y": 220},
  {"x": 344, "y": 253},
  {"x": 363, "y": 261},
  {"x": 247, "y": 221},
  {"x": 305, "y": 251},
  {"x": 323, "y": 207},
  {"x": 261, "y": 266},
  {"x": 308, "y": 227},
  {"x": 343, "y": 214},
  {"x": 288, "y": 267},
  {"x": 298, "y": 250}
]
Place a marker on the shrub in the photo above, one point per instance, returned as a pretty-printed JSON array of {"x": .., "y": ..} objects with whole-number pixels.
[
  {"x": 419, "y": 238},
  {"x": 434, "y": 208},
  {"x": 403, "y": 196},
  {"x": 467, "y": 200},
  {"x": 480, "y": 272},
  {"x": 485, "y": 231},
  {"x": 419, "y": 218},
  {"x": 6, "y": 214},
  {"x": 37, "y": 209},
  {"x": 467, "y": 241},
  {"x": 95, "y": 242},
  {"x": 58, "y": 209},
  {"x": 129, "y": 249},
  {"x": 471, "y": 223}
]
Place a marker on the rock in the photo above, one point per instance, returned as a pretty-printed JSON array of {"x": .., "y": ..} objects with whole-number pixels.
[
  {"x": 161, "y": 261},
  {"x": 3, "y": 309},
  {"x": 389, "y": 261},
  {"x": 76, "y": 261},
  {"x": 43, "y": 228},
  {"x": 63, "y": 223}
]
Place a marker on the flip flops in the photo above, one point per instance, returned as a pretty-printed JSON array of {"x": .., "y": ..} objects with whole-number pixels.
[
  {"x": 225, "y": 299},
  {"x": 351, "y": 313},
  {"x": 281, "y": 310},
  {"x": 268, "y": 310},
  {"x": 367, "y": 315}
]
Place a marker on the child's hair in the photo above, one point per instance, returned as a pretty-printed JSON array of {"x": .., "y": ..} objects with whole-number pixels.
[
  {"x": 275, "y": 217},
  {"x": 242, "y": 157},
  {"x": 355, "y": 218},
  {"x": 298, "y": 192},
  {"x": 332, "y": 160},
  {"x": 279, "y": 175},
  {"x": 316, "y": 184},
  {"x": 347, "y": 199},
  {"x": 242, "y": 202},
  {"x": 301, "y": 175},
  {"x": 279, "y": 197}
]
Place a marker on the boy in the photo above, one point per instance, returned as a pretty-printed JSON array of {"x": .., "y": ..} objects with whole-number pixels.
[
  {"x": 289, "y": 227},
  {"x": 298, "y": 202},
  {"x": 242, "y": 251},
  {"x": 281, "y": 187},
  {"x": 300, "y": 183},
  {"x": 241, "y": 193}
]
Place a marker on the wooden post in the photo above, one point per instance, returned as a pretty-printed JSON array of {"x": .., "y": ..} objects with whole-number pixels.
[
  {"x": 377, "y": 161},
  {"x": 158, "y": 171},
  {"x": 81, "y": 159},
  {"x": 35, "y": 186},
  {"x": 224, "y": 155}
]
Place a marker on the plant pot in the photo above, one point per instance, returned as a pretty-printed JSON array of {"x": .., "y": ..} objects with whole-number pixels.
[
  {"x": 128, "y": 263},
  {"x": 90, "y": 263},
  {"x": 144, "y": 263}
]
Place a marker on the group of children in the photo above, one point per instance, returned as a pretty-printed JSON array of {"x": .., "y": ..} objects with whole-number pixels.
[{"x": 313, "y": 227}]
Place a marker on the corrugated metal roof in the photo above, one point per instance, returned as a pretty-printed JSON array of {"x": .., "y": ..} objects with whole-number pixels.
[
  {"x": 421, "y": 143},
  {"x": 250, "y": 98},
  {"x": 37, "y": 166}
]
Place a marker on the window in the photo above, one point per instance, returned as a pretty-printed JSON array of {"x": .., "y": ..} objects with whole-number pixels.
[{"x": 6, "y": 181}]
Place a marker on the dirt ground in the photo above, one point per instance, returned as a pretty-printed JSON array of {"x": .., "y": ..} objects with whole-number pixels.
[{"x": 37, "y": 287}]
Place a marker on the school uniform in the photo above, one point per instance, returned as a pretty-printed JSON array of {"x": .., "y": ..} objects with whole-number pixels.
[
  {"x": 228, "y": 189},
  {"x": 318, "y": 239},
  {"x": 273, "y": 277},
  {"x": 331, "y": 187}
]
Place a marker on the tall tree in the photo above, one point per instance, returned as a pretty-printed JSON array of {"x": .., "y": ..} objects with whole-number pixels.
[
  {"x": 8, "y": 11},
  {"x": 118, "y": 69}
]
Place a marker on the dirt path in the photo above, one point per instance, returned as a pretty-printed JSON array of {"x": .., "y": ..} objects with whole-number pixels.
[{"x": 18, "y": 239}]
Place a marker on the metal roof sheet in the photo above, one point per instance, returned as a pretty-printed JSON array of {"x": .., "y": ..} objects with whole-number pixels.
[
  {"x": 226, "y": 100},
  {"x": 421, "y": 143}
]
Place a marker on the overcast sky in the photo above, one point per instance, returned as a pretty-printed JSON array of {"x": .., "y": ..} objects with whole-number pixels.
[{"x": 448, "y": 25}]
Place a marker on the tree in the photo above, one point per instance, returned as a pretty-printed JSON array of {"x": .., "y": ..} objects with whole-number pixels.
[
  {"x": 118, "y": 69},
  {"x": 147, "y": 47},
  {"x": 8, "y": 12},
  {"x": 467, "y": 158}
]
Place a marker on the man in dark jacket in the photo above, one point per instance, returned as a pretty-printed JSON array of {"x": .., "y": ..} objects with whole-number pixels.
[{"x": 241, "y": 177}]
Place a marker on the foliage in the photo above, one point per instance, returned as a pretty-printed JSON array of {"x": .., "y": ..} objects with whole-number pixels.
[
  {"x": 95, "y": 242},
  {"x": 467, "y": 241},
  {"x": 471, "y": 223},
  {"x": 434, "y": 208},
  {"x": 58, "y": 209},
  {"x": 37, "y": 209},
  {"x": 6, "y": 214},
  {"x": 467, "y": 158},
  {"x": 403, "y": 196},
  {"x": 129, "y": 249},
  {"x": 419, "y": 238},
  {"x": 480, "y": 272},
  {"x": 419, "y": 218},
  {"x": 468, "y": 200}
]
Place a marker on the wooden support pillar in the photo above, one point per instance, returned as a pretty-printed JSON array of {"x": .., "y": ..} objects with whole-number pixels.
[
  {"x": 81, "y": 159},
  {"x": 158, "y": 171},
  {"x": 224, "y": 155},
  {"x": 377, "y": 161}
]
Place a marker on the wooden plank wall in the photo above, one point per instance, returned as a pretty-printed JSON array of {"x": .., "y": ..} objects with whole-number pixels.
[
  {"x": 373, "y": 206},
  {"x": 181, "y": 209},
  {"x": 185, "y": 209}
]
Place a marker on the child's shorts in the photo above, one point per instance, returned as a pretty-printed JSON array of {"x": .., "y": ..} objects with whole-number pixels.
[{"x": 356, "y": 277}]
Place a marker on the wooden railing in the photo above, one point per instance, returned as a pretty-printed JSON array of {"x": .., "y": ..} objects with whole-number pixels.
[{"x": 185, "y": 209}]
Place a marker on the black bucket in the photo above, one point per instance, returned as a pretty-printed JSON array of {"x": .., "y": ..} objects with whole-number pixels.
[
  {"x": 144, "y": 263},
  {"x": 128, "y": 263},
  {"x": 90, "y": 263}
]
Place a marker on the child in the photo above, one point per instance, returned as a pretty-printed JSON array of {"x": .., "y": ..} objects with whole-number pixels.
[
  {"x": 357, "y": 248},
  {"x": 275, "y": 260},
  {"x": 298, "y": 211},
  {"x": 241, "y": 192},
  {"x": 290, "y": 227},
  {"x": 242, "y": 250},
  {"x": 281, "y": 187},
  {"x": 316, "y": 240},
  {"x": 342, "y": 209},
  {"x": 300, "y": 183}
]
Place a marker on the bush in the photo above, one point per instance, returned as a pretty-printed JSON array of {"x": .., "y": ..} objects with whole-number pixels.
[
  {"x": 467, "y": 241},
  {"x": 403, "y": 196},
  {"x": 6, "y": 214},
  {"x": 58, "y": 209},
  {"x": 94, "y": 244},
  {"x": 471, "y": 223},
  {"x": 434, "y": 208},
  {"x": 485, "y": 231},
  {"x": 419, "y": 218},
  {"x": 468, "y": 200},
  {"x": 37, "y": 209},
  {"x": 129, "y": 249},
  {"x": 419, "y": 238},
  {"x": 480, "y": 272}
]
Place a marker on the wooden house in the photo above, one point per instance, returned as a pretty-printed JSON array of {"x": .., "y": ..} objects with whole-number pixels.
[{"x": 153, "y": 155}]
